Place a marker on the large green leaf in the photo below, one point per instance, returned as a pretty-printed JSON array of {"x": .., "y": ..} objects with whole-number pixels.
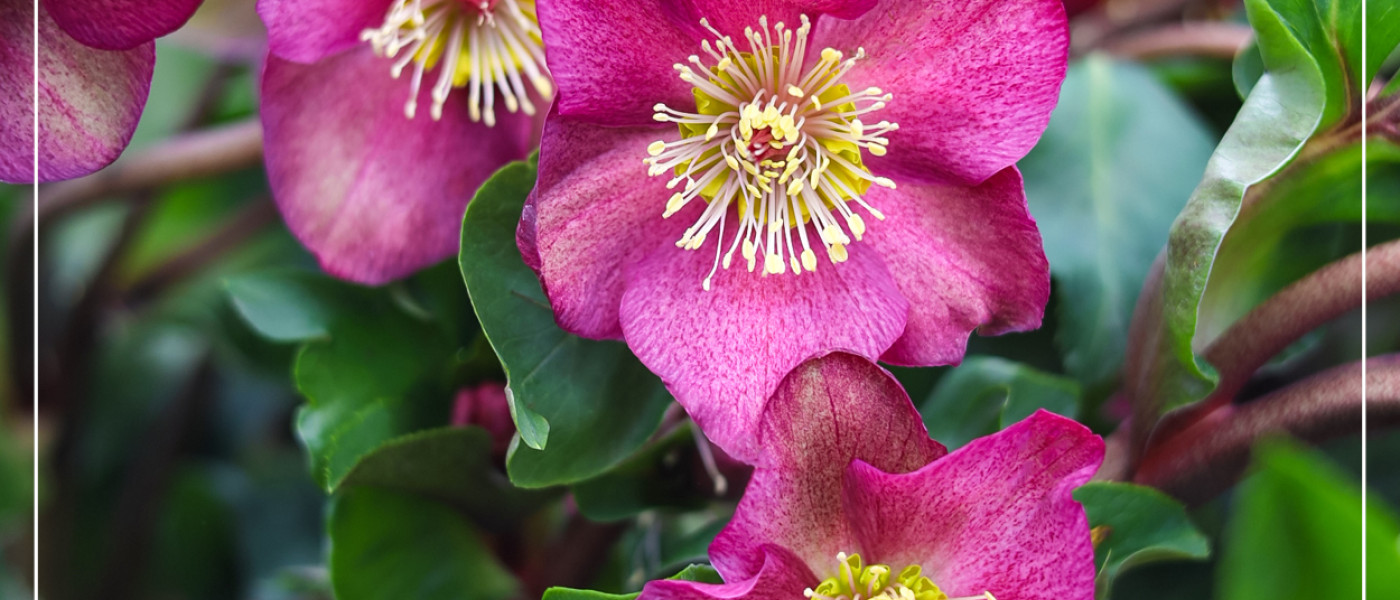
[
  {"x": 581, "y": 406},
  {"x": 661, "y": 476},
  {"x": 1250, "y": 265},
  {"x": 1136, "y": 525},
  {"x": 391, "y": 546},
  {"x": 451, "y": 464},
  {"x": 985, "y": 394},
  {"x": 1294, "y": 532},
  {"x": 1279, "y": 116},
  {"x": 376, "y": 377},
  {"x": 289, "y": 305},
  {"x": 1113, "y": 169}
]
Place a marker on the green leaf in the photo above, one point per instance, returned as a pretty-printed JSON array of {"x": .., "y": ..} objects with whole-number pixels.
[
  {"x": 451, "y": 464},
  {"x": 1137, "y": 525},
  {"x": 1111, "y": 172},
  {"x": 1247, "y": 69},
  {"x": 1329, "y": 34},
  {"x": 700, "y": 573},
  {"x": 581, "y": 406},
  {"x": 1249, "y": 266},
  {"x": 661, "y": 476},
  {"x": 386, "y": 545},
  {"x": 375, "y": 378},
  {"x": 1280, "y": 114},
  {"x": 986, "y": 394},
  {"x": 289, "y": 305},
  {"x": 1294, "y": 531}
]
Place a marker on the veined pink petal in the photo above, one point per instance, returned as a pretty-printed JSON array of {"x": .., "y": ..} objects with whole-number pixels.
[
  {"x": 373, "y": 194},
  {"x": 89, "y": 100},
  {"x": 973, "y": 81},
  {"x": 782, "y": 575},
  {"x": 612, "y": 60},
  {"x": 966, "y": 257},
  {"x": 995, "y": 515},
  {"x": 723, "y": 352},
  {"x": 827, "y": 412},
  {"x": 730, "y": 17},
  {"x": 119, "y": 24},
  {"x": 593, "y": 212},
  {"x": 306, "y": 31}
]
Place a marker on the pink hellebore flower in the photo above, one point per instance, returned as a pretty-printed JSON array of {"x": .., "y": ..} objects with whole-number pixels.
[
  {"x": 854, "y": 501},
  {"x": 732, "y": 186},
  {"x": 96, "y": 58},
  {"x": 370, "y": 184},
  {"x": 486, "y": 406}
]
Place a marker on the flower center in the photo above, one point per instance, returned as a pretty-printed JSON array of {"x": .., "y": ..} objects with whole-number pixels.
[
  {"x": 483, "y": 45},
  {"x": 779, "y": 142},
  {"x": 854, "y": 581}
]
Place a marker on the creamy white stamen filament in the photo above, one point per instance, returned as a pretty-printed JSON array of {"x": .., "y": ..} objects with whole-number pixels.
[
  {"x": 781, "y": 143},
  {"x": 487, "y": 47}
]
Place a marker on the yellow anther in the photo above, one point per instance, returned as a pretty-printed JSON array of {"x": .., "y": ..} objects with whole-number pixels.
[
  {"x": 857, "y": 226},
  {"x": 884, "y": 182},
  {"x": 796, "y": 91},
  {"x": 656, "y": 148},
  {"x": 795, "y": 266},
  {"x": 796, "y": 187},
  {"x": 809, "y": 260},
  {"x": 673, "y": 205},
  {"x": 732, "y": 162},
  {"x": 724, "y": 64},
  {"x": 838, "y": 253},
  {"x": 773, "y": 264},
  {"x": 712, "y": 132},
  {"x": 877, "y": 150},
  {"x": 831, "y": 55}
]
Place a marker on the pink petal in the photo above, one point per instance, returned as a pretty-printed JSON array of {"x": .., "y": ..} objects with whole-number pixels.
[
  {"x": 89, "y": 100},
  {"x": 973, "y": 81},
  {"x": 306, "y": 31},
  {"x": 995, "y": 515},
  {"x": 730, "y": 17},
  {"x": 119, "y": 24},
  {"x": 826, "y": 413},
  {"x": 967, "y": 257},
  {"x": 593, "y": 212},
  {"x": 612, "y": 60},
  {"x": 373, "y": 194},
  {"x": 723, "y": 352},
  {"x": 782, "y": 576}
]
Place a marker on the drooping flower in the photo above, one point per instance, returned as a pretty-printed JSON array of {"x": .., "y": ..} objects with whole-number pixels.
[
  {"x": 95, "y": 60},
  {"x": 486, "y": 406},
  {"x": 733, "y": 186},
  {"x": 382, "y": 117},
  {"x": 854, "y": 501}
]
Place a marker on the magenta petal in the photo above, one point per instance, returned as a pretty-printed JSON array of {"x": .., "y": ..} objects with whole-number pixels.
[
  {"x": 730, "y": 17},
  {"x": 967, "y": 257},
  {"x": 119, "y": 24},
  {"x": 306, "y": 31},
  {"x": 995, "y": 515},
  {"x": 782, "y": 576},
  {"x": 593, "y": 212},
  {"x": 722, "y": 352},
  {"x": 612, "y": 60},
  {"x": 973, "y": 81},
  {"x": 89, "y": 100},
  {"x": 826, "y": 413},
  {"x": 373, "y": 194}
]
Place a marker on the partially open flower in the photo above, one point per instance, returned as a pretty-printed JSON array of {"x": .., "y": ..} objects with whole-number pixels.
[
  {"x": 732, "y": 186},
  {"x": 854, "y": 501},
  {"x": 95, "y": 60},
  {"x": 382, "y": 117}
]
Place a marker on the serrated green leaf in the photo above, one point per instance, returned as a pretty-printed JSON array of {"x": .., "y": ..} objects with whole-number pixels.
[
  {"x": 1113, "y": 169},
  {"x": 386, "y": 545},
  {"x": 986, "y": 394},
  {"x": 1294, "y": 530},
  {"x": 1137, "y": 525},
  {"x": 372, "y": 380},
  {"x": 450, "y": 464},
  {"x": 581, "y": 406}
]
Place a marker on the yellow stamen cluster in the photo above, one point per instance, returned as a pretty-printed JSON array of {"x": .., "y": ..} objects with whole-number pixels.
[
  {"x": 780, "y": 142},
  {"x": 854, "y": 581},
  {"x": 488, "y": 47}
]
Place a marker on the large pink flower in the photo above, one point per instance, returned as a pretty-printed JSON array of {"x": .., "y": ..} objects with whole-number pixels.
[
  {"x": 382, "y": 117},
  {"x": 822, "y": 174},
  {"x": 96, "y": 58},
  {"x": 854, "y": 500}
]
